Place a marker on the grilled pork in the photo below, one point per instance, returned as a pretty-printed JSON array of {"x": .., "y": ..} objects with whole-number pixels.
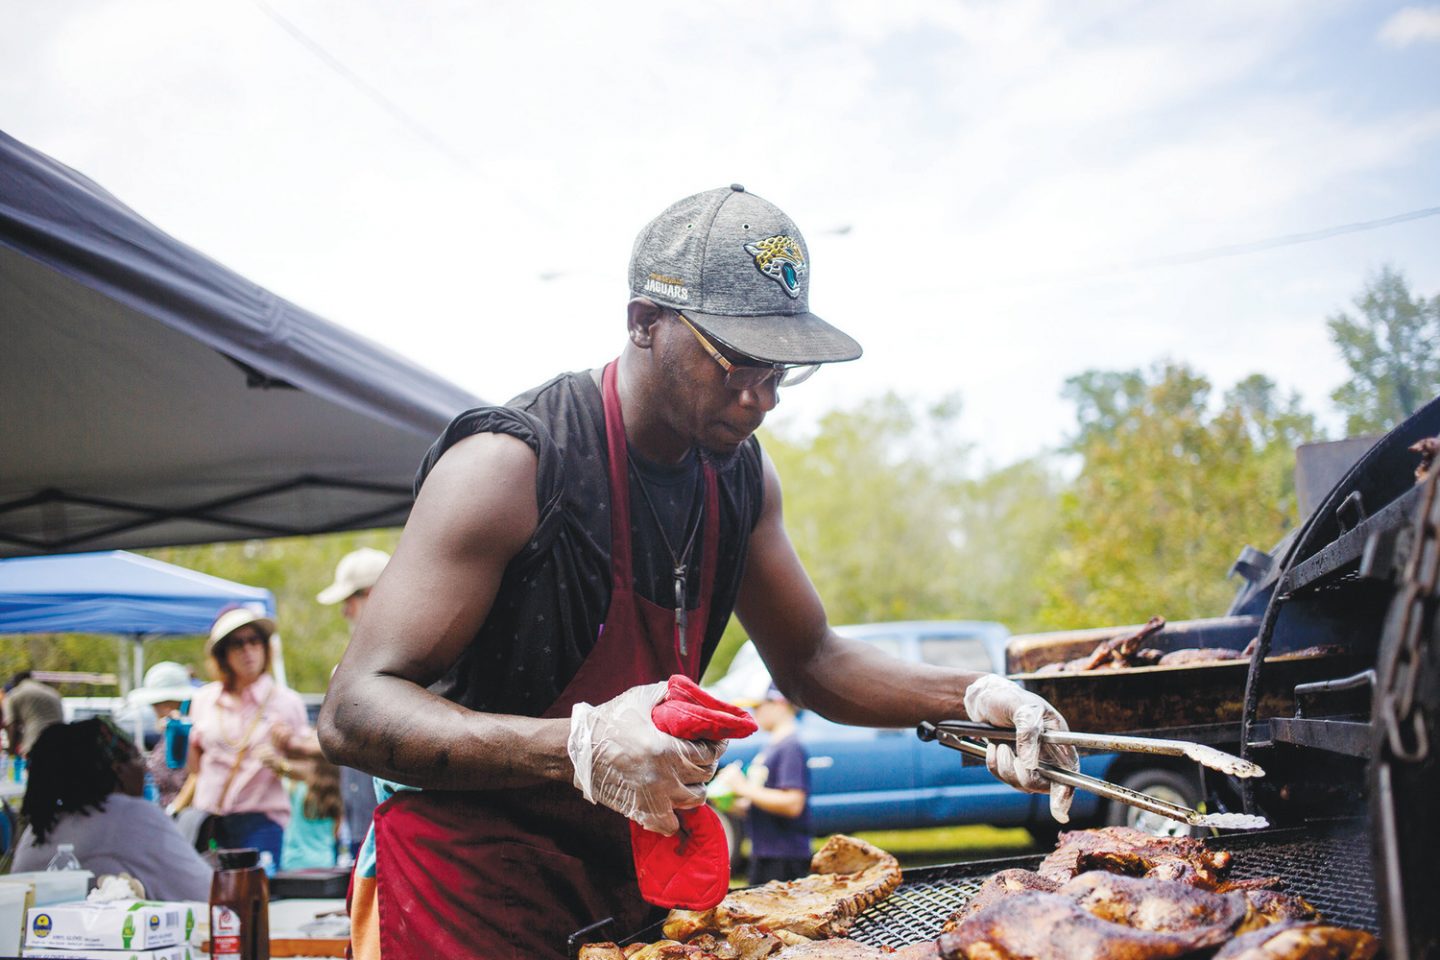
[
  {"x": 1189, "y": 655},
  {"x": 1157, "y": 905},
  {"x": 1301, "y": 941},
  {"x": 998, "y": 886},
  {"x": 848, "y": 876},
  {"x": 1048, "y": 926},
  {"x": 1265, "y": 907},
  {"x": 1129, "y": 851}
]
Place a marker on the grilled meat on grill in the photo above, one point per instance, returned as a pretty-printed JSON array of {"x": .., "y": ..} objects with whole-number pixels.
[
  {"x": 1268, "y": 906},
  {"x": 1157, "y": 905},
  {"x": 1130, "y": 851},
  {"x": 848, "y": 875},
  {"x": 850, "y": 950},
  {"x": 1301, "y": 941},
  {"x": 1117, "y": 651},
  {"x": 997, "y": 886},
  {"x": 1048, "y": 926},
  {"x": 660, "y": 950},
  {"x": 745, "y": 942},
  {"x": 1180, "y": 658}
]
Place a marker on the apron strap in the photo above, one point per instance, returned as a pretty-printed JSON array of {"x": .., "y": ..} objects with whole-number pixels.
[{"x": 619, "y": 462}]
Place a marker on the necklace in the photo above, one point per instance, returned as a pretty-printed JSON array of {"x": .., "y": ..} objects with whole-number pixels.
[{"x": 679, "y": 563}]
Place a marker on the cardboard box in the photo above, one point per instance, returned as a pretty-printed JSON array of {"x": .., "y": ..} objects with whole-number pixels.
[
  {"x": 115, "y": 925},
  {"x": 182, "y": 952}
]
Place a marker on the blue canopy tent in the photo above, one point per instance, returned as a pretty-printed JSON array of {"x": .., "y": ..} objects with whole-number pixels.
[
  {"x": 115, "y": 592},
  {"x": 120, "y": 593}
]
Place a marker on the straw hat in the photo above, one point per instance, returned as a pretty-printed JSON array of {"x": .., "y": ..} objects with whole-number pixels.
[{"x": 232, "y": 620}]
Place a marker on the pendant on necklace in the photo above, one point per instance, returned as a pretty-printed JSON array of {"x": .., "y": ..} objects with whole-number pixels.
[{"x": 680, "y": 609}]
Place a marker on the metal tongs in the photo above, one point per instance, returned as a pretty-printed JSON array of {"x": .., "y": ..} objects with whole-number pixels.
[{"x": 956, "y": 734}]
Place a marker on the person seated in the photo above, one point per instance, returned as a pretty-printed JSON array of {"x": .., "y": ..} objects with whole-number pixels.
[{"x": 85, "y": 789}]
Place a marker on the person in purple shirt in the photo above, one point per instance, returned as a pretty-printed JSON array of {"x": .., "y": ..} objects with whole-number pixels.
[{"x": 775, "y": 795}]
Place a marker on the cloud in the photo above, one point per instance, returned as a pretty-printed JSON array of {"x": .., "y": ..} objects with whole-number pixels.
[
  {"x": 1411, "y": 25},
  {"x": 997, "y": 162}
]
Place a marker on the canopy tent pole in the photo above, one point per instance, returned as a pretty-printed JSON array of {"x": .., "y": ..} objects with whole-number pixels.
[
  {"x": 277, "y": 658},
  {"x": 137, "y": 681}
]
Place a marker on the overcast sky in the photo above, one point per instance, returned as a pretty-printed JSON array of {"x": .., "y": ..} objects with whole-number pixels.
[{"x": 996, "y": 195}]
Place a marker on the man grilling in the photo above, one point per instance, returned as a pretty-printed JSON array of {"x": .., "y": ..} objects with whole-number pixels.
[{"x": 566, "y": 553}]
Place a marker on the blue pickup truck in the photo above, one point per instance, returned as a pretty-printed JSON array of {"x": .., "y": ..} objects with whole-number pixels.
[{"x": 882, "y": 779}]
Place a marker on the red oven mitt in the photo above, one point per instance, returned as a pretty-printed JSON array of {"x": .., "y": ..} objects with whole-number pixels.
[{"x": 692, "y": 868}]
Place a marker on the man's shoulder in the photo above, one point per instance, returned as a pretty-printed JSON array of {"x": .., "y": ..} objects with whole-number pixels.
[
  {"x": 540, "y": 419},
  {"x": 28, "y": 692}
]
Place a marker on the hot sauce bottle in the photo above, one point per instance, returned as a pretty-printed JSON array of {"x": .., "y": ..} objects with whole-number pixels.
[{"x": 239, "y": 908}]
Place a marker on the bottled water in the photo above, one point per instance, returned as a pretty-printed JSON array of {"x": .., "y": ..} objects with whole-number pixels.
[
  {"x": 267, "y": 863},
  {"x": 64, "y": 858}
]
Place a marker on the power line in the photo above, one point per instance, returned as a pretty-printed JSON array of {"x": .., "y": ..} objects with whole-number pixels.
[
  {"x": 365, "y": 87},
  {"x": 1239, "y": 249}
]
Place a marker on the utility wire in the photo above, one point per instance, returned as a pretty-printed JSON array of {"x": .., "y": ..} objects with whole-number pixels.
[
  {"x": 1239, "y": 249},
  {"x": 378, "y": 96},
  {"x": 370, "y": 90}
]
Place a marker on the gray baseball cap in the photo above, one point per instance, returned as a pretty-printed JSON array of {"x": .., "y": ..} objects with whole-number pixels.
[{"x": 737, "y": 267}]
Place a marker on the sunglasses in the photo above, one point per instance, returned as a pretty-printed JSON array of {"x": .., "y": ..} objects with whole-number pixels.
[
  {"x": 244, "y": 639},
  {"x": 752, "y": 374}
]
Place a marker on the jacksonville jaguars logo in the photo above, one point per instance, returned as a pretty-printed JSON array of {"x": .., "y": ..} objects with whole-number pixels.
[{"x": 781, "y": 259}]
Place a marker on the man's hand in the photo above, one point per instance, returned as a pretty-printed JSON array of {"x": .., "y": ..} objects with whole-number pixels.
[
  {"x": 1003, "y": 703},
  {"x": 624, "y": 762}
]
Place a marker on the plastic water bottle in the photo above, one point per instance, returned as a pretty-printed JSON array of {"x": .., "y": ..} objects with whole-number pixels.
[
  {"x": 267, "y": 863},
  {"x": 152, "y": 792},
  {"x": 64, "y": 858}
]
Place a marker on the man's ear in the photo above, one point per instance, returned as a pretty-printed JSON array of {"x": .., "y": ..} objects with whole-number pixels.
[{"x": 643, "y": 314}]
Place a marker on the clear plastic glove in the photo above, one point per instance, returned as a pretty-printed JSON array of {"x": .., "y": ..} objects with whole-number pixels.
[
  {"x": 1003, "y": 703},
  {"x": 622, "y": 761}
]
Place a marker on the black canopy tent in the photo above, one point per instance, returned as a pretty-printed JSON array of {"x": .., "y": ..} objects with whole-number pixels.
[{"x": 149, "y": 396}]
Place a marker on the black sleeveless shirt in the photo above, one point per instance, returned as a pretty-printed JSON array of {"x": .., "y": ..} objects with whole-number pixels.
[{"x": 554, "y": 594}]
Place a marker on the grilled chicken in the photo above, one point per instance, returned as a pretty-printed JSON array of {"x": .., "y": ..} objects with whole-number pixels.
[
  {"x": 1301, "y": 941},
  {"x": 1129, "y": 851},
  {"x": 848, "y": 876},
  {"x": 1048, "y": 926}
]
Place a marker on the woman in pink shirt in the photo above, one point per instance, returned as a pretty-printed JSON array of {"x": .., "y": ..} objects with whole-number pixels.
[{"x": 230, "y": 737}]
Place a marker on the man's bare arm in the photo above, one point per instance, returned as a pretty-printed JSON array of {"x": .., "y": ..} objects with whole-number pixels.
[
  {"x": 476, "y": 510},
  {"x": 843, "y": 680}
]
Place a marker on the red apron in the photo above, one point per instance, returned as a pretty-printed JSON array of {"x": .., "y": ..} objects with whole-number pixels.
[{"x": 511, "y": 873}]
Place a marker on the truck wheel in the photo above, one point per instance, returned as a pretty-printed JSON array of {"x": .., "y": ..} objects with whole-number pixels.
[
  {"x": 1045, "y": 835},
  {"x": 1164, "y": 785},
  {"x": 733, "y": 834}
]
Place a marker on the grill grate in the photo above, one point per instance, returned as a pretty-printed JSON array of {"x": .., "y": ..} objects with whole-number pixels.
[{"x": 1328, "y": 864}]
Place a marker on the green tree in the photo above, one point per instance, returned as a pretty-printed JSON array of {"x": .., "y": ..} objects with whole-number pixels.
[
  {"x": 1393, "y": 351},
  {"x": 1168, "y": 492},
  {"x": 890, "y": 525},
  {"x": 1009, "y": 525},
  {"x": 294, "y": 569}
]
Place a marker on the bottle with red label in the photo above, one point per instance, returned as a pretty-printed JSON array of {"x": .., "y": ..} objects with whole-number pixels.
[{"x": 239, "y": 908}]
